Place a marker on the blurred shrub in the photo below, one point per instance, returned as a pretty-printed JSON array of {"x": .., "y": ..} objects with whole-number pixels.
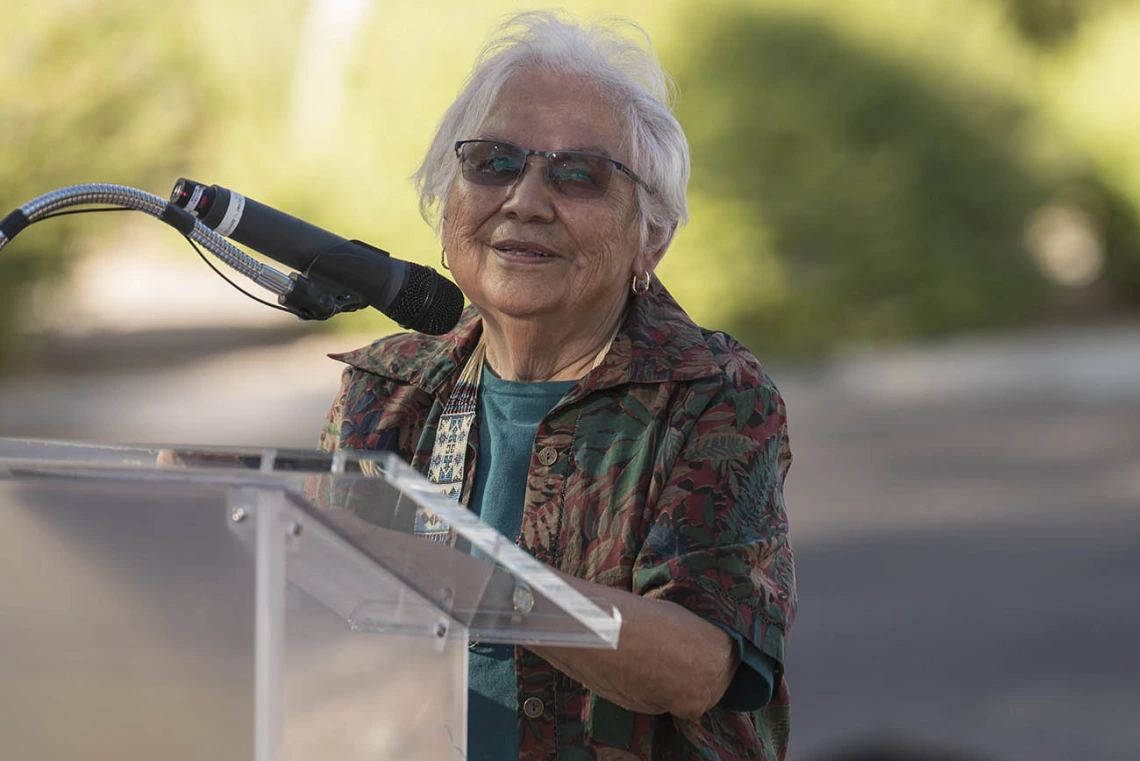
[
  {"x": 880, "y": 201},
  {"x": 1092, "y": 89},
  {"x": 95, "y": 92},
  {"x": 1117, "y": 215},
  {"x": 1049, "y": 23}
]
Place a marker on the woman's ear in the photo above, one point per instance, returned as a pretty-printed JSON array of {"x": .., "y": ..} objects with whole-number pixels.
[{"x": 656, "y": 246}]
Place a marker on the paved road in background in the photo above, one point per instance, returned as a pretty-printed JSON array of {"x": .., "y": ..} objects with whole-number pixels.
[{"x": 966, "y": 521}]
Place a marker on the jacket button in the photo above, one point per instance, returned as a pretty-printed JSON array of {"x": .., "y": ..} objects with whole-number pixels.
[
  {"x": 548, "y": 456},
  {"x": 522, "y": 598},
  {"x": 533, "y": 708}
]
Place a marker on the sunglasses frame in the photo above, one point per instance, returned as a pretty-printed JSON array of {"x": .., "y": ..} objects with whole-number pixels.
[{"x": 549, "y": 155}]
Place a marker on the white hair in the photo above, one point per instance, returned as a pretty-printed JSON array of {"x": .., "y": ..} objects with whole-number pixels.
[{"x": 630, "y": 73}]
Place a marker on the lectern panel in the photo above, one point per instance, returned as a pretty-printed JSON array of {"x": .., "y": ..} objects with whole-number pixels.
[
  {"x": 126, "y": 623},
  {"x": 174, "y": 603}
]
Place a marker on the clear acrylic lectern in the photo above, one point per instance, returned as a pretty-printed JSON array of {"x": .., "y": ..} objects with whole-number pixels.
[{"x": 174, "y": 603}]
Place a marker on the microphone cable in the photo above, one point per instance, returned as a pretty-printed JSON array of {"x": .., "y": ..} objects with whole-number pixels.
[{"x": 193, "y": 245}]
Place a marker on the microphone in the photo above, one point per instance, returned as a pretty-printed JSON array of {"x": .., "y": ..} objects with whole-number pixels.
[{"x": 360, "y": 275}]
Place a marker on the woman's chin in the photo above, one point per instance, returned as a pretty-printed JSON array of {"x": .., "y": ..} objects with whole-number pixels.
[{"x": 521, "y": 305}]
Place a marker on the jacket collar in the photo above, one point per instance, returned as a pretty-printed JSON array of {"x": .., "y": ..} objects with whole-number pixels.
[{"x": 657, "y": 342}]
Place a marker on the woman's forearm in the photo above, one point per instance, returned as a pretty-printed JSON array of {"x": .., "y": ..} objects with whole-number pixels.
[{"x": 668, "y": 660}]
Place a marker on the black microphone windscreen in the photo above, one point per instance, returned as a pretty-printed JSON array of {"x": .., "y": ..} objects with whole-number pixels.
[{"x": 428, "y": 302}]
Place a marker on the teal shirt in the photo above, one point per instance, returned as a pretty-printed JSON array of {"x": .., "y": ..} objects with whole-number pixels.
[{"x": 508, "y": 417}]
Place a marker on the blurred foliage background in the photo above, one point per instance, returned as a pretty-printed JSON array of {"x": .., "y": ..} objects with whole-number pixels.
[{"x": 865, "y": 171}]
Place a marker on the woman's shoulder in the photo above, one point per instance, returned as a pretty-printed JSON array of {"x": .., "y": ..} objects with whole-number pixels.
[
  {"x": 413, "y": 357},
  {"x": 381, "y": 354},
  {"x": 667, "y": 344},
  {"x": 740, "y": 369}
]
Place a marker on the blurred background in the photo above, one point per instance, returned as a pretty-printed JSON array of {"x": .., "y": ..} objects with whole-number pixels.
[{"x": 922, "y": 215}]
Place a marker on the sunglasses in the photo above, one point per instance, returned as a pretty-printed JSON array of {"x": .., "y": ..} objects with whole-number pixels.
[{"x": 575, "y": 174}]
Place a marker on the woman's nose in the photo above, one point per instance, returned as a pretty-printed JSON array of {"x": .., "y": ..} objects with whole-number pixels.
[{"x": 530, "y": 197}]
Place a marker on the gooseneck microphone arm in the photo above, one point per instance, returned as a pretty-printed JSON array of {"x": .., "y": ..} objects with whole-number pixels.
[
  {"x": 124, "y": 197},
  {"x": 337, "y": 275}
]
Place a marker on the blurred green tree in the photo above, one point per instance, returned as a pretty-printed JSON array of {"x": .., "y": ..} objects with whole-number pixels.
[
  {"x": 884, "y": 202},
  {"x": 96, "y": 92},
  {"x": 1047, "y": 24}
]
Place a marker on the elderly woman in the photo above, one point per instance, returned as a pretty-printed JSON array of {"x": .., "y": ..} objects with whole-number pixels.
[{"x": 577, "y": 408}]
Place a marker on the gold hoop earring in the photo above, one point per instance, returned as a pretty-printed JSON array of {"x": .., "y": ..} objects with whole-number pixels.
[
  {"x": 641, "y": 287},
  {"x": 443, "y": 259}
]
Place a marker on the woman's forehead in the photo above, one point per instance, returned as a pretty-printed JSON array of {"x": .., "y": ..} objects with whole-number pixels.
[{"x": 549, "y": 110}]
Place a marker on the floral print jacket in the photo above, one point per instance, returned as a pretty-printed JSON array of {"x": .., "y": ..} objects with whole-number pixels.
[{"x": 661, "y": 473}]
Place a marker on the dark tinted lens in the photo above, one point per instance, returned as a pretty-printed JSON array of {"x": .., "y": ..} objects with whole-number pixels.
[
  {"x": 580, "y": 175},
  {"x": 489, "y": 163}
]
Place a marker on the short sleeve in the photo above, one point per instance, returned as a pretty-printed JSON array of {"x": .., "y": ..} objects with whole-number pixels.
[
  {"x": 755, "y": 678},
  {"x": 718, "y": 543}
]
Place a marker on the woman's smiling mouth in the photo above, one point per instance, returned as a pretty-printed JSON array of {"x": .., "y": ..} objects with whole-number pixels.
[{"x": 523, "y": 249}]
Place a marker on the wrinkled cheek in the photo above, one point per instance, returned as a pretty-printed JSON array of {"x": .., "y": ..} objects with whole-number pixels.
[
  {"x": 616, "y": 261},
  {"x": 460, "y": 244},
  {"x": 450, "y": 236},
  {"x": 463, "y": 259},
  {"x": 457, "y": 239}
]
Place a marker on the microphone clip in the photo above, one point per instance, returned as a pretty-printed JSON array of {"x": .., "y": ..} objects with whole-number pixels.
[
  {"x": 311, "y": 300},
  {"x": 321, "y": 290}
]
